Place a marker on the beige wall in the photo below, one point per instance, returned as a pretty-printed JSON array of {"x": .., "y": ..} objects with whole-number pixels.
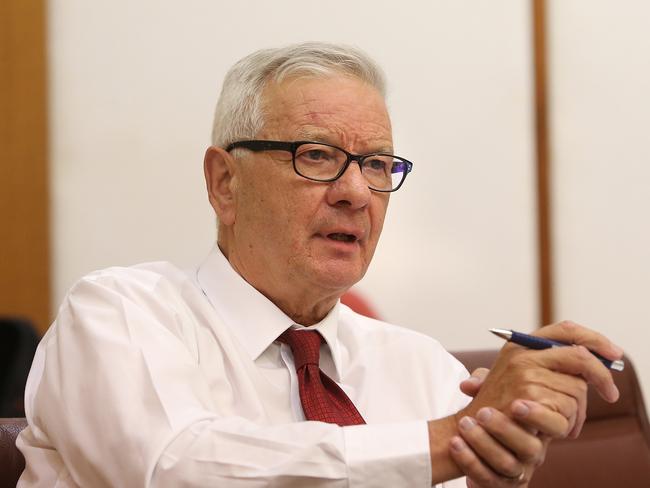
[
  {"x": 600, "y": 104},
  {"x": 133, "y": 85}
]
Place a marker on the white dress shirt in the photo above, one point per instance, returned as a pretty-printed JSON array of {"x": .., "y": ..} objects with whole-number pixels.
[{"x": 154, "y": 377}]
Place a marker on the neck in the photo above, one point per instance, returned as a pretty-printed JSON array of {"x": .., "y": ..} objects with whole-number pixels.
[{"x": 303, "y": 305}]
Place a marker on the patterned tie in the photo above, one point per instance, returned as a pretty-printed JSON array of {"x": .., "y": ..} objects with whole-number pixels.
[{"x": 322, "y": 399}]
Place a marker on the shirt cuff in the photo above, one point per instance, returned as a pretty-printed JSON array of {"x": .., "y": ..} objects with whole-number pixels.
[{"x": 380, "y": 455}]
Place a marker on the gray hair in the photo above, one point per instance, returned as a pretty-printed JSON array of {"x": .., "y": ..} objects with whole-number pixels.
[{"x": 239, "y": 112}]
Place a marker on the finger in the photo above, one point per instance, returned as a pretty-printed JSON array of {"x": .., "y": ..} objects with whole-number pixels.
[
  {"x": 473, "y": 384},
  {"x": 477, "y": 472},
  {"x": 526, "y": 446},
  {"x": 569, "y": 385},
  {"x": 496, "y": 456},
  {"x": 540, "y": 418},
  {"x": 576, "y": 360},
  {"x": 565, "y": 405},
  {"x": 577, "y": 388},
  {"x": 572, "y": 333}
]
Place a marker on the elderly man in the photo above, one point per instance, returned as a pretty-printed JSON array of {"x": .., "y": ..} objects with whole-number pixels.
[{"x": 248, "y": 371}]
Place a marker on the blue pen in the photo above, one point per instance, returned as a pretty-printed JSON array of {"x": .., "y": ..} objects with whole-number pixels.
[{"x": 532, "y": 342}]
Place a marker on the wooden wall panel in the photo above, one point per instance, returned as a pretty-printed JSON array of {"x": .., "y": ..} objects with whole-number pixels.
[
  {"x": 24, "y": 241},
  {"x": 543, "y": 165}
]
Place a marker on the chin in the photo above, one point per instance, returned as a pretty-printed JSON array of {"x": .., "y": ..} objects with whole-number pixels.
[{"x": 338, "y": 276}]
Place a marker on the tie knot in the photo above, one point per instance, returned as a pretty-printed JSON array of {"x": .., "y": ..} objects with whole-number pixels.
[{"x": 304, "y": 344}]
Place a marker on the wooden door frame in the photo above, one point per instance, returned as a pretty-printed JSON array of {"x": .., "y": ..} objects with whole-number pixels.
[{"x": 542, "y": 165}]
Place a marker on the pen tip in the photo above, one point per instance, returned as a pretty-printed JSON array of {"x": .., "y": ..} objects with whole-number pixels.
[{"x": 503, "y": 333}]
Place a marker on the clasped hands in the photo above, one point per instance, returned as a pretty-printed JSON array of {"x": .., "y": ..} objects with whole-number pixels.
[{"x": 527, "y": 399}]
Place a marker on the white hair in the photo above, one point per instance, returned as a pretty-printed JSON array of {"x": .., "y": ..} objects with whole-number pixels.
[{"x": 239, "y": 114}]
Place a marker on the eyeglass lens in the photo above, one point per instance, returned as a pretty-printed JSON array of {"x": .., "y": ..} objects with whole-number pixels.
[{"x": 321, "y": 162}]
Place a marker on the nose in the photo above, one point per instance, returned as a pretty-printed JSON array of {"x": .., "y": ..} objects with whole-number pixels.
[{"x": 351, "y": 189}]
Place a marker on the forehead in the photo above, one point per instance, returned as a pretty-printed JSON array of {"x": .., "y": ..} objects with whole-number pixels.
[{"x": 339, "y": 110}]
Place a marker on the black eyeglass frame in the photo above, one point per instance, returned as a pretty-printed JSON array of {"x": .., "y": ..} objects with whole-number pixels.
[{"x": 256, "y": 145}]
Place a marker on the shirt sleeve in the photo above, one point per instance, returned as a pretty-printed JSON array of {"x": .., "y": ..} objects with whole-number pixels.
[{"x": 121, "y": 398}]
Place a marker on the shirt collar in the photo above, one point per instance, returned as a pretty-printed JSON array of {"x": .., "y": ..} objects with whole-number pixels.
[
  {"x": 328, "y": 328},
  {"x": 254, "y": 319}
]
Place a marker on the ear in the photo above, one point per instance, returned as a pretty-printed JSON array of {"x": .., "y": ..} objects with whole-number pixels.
[{"x": 219, "y": 169}]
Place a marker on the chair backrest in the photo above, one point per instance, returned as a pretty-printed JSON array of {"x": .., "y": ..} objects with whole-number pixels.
[
  {"x": 357, "y": 302},
  {"x": 613, "y": 449},
  {"x": 18, "y": 341},
  {"x": 12, "y": 462}
]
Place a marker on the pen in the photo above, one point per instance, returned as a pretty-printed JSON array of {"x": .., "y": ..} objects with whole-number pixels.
[{"x": 533, "y": 342}]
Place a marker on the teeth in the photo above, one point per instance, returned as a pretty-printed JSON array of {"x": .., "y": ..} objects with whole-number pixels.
[{"x": 342, "y": 237}]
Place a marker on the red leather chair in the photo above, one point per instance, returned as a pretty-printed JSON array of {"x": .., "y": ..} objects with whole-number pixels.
[
  {"x": 359, "y": 304},
  {"x": 613, "y": 449}
]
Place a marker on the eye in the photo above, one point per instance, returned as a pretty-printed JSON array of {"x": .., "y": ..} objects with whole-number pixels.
[
  {"x": 317, "y": 154},
  {"x": 314, "y": 154},
  {"x": 377, "y": 164}
]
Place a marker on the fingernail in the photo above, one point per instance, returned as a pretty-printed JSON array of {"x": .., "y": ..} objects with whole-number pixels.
[
  {"x": 457, "y": 444},
  {"x": 613, "y": 393},
  {"x": 467, "y": 423},
  {"x": 484, "y": 414},
  {"x": 473, "y": 379},
  {"x": 520, "y": 409}
]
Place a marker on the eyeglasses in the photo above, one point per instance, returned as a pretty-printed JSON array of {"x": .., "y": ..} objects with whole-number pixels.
[{"x": 318, "y": 161}]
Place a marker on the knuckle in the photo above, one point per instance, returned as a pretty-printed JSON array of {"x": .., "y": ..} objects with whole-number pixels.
[
  {"x": 569, "y": 406},
  {"x": 529, "y": 391},
  {"x": 583, "y": 353},
  {"x": 534, "y": 453},
  {"x": 537, "y": 461},
  {"x": 473, "y": 465},
  {"x": 509, "y": 467},
  {"x": 566, "y": 412},
  {"x": 529, "y": 375},
  {"x": 567, "y": 325},
  {"x": 520, "y": 358}
]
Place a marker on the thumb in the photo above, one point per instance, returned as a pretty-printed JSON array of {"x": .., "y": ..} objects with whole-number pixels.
[{"x": 472, "y": 385}]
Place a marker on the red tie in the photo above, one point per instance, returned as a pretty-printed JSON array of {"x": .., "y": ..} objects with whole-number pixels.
[{"x": 322, "y": 399}]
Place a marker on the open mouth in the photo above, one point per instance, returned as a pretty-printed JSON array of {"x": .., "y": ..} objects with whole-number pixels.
[{"x": 339, "y": 236}]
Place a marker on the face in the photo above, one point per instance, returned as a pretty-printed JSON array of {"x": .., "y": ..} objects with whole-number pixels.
[{"x": 296, "y": 237}]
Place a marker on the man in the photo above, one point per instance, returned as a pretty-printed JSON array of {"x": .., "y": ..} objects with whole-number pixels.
[{"x": 155, "y": 377}]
